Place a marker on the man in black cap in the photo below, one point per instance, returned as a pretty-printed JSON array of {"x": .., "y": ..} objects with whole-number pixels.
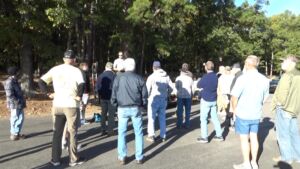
[
  {"x": 15, "y": 103},
  {"x": 68, "y": 84}
]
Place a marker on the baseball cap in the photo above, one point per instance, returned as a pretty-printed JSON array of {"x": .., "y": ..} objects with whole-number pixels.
[
  {"x": 292, "y": 58},
  {"x": 236, "y": 65},
  {"x": 156, "y": 64},
  {"x": 69, "y": 54},
  {"x": 12, "y": 70}
]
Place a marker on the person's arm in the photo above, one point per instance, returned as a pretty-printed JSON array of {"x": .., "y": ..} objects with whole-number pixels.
[
  {"x": 149, "y": 83},
  {"x": 44, "y": 81},
  {"x": 9, "y": 90},
  {"x": 43, "y": 86},
  {"x": 144, "y": 93},
  {"x": 235, "y": 94},
  {"x": 283, "y": 89},
  {"x": 234, "y": 101},
  {"x": 170, "y": 85},
  {"x": 99, "y": 83},
  {"x": 113, "y": 99}
]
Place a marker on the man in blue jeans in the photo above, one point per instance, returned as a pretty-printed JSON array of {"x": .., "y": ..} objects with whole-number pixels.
[
  {"x": 285, "y": 103},
  {"x": 247, "y": 97},
  {"x": 208, "y": 94},
  {"x": 129, "y": 93},
  {"x": 15, "y": 102},
  {"x": 184, "y": 84},
  {"x": 159, "y": 87}
]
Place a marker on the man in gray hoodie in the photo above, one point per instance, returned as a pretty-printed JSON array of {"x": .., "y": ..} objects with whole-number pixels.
[
  {"x": 184, "y": 84},
  {"x": 159, "y": 86}
]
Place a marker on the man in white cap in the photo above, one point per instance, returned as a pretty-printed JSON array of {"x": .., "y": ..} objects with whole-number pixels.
[{"x": 159, "y": 86}]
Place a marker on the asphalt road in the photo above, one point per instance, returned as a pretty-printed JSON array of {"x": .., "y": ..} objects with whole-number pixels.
[{"x": 180, "y": 151}]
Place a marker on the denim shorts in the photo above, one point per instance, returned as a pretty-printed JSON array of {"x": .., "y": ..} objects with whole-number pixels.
[{"x": 246, "y": 126}]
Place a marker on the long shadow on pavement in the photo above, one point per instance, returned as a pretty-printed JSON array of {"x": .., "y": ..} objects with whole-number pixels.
[
  {"x": 27, "y": 151},
  {"x": 172, "y": 136},
  {"x": 264, "y": 127}
]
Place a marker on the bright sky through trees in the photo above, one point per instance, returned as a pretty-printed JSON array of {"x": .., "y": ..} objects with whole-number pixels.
[{"x": 277, "y": 6}]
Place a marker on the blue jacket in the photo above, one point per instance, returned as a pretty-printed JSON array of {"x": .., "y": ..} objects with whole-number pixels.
[
  {"x": 209, "y": 85},
  {"x": 104, "y": 84},
  {"x": 14, "y": 94},
  {"x": 129, "y": 89}
]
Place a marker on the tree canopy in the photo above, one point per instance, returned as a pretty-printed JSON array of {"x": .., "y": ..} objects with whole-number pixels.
[{"x": 34, "y": 33}]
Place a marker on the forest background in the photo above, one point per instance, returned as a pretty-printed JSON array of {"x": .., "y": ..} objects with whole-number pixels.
[{"x": 35, "y": 33}]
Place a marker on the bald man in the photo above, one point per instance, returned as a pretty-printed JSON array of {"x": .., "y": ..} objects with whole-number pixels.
[
  {"x": 208, "y": 104},
  {"x": 247, "y": 97}
]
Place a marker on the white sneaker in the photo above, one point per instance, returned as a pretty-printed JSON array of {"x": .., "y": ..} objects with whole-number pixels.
[
  {"x": 242, "y": 166},
  {"x": 254, "y": 165}
]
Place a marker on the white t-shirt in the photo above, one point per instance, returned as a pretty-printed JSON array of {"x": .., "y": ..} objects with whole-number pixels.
[
  {"x": 66, "y": 79},
  {"x": 225, "y": 81},
  {"x": 119, "y": 64}
]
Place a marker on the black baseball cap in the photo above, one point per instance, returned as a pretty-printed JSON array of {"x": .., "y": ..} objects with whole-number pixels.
[
  {"x": 69, "y": 54},
  {"x": 12, "y": 70}
]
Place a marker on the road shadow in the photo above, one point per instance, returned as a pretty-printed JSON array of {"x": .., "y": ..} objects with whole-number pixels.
[
  {"x": 264, "y": 128},
  {"x": 24, "y": 152},
  {"x": 172, "y": 136},
  {"x": 38, "y": 133},
  {"x": 283, "y": 165}
]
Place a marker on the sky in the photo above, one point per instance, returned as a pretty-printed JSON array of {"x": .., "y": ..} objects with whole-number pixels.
[{"x": 277, "y": 6}]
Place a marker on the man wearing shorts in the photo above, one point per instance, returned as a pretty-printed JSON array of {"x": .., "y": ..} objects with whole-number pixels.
[{"x": 247, "y": 97}]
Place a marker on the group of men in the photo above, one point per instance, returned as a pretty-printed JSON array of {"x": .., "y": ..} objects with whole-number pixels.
[{"x": 127, "y": 93}]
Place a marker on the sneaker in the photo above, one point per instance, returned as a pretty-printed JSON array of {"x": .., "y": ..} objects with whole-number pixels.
[
  {"x": 219, "y": 138},
  {"x": 14, "y": 137},
  {"x": 111, "y": 133},
  {"x": 254, "y": 165},
  {"x": 79, "y": 146},
  {"x": 122, "y": 161},
  {"x": 141, "y": 161},
  {"x": 79, "y": 161},
  {"x": 202, "y": 140},
  {"x": 278, "y": 159},
  {"x": 64, "y": 147},
  {"x": 103, "y": 133},
  {"x": 232, "y": 128},
  {"x": 21, "y": 136},
  {"x": 162, "y": 139},
  {"x": 151, "y": 139},
  {"x": 242, "y": 166},
  {"x": 55, "y": 164}
]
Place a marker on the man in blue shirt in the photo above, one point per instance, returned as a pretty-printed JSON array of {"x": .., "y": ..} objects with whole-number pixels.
[
  {"x": 247, "y": 97},
  {"x": 208, "y": 94}
]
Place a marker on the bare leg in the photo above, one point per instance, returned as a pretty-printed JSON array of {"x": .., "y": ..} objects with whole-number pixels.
[{"x": 254, "y": 149}]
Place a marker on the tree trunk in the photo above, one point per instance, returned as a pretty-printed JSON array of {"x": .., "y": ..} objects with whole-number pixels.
[
  {"x": 26, "y": 65},
  {"x": 69, "y": 43},
  {"x": 271, "y": 66},
  {"x": 142, "y": 54}
]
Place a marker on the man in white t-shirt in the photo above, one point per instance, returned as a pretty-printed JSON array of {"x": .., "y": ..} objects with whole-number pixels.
[
  {"x": 68, "y": 84},
  {"x": 118, "y": 63}
]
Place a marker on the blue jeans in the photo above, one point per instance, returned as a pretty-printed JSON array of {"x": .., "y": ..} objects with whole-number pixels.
[
  {"x": 287, "y": 136},
  {"x": 205, "y": 108},
  {"x": 157, "y": 106},
  {"x": 124, "y": 113},
  {"x": 16, "y": 121},
  {"x": 187, "y": 103}
]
